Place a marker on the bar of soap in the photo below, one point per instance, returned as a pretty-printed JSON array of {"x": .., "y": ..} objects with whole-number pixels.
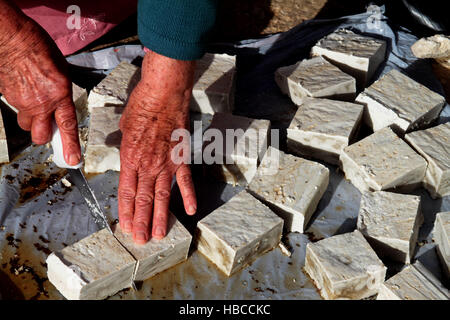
[
  {"x": 321, "y": 128},
  {"x": 104, "y": 137},
  {"x": 390, "y": 222},
  {"x": 414, "y": 282},
  {"x": 344, "y": 267},
  {"x": 357, "y": 55},
  {"x": 433, "y": 144},
  {"x": 4, "y": 153},
  {"x": 397, "y": 100},
  {"x": 317, "y": 78},
  {"x": 437, "y": 46},
  {"x": 214, "y": 82},
  {"x": 441, "y": 235},
  {"x": 158, "y": 255},
  {"x": 294, "y": 190},
  {"x": 238, "y": 232},
  {"x": 382, "y": 161},
  {"x": 241, "y": 156},
  {"x": 116, "y": 87},
  {"x": 91, "y": 269}
]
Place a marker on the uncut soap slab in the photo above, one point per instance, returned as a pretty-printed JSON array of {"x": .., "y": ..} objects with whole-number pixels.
[
  {"x": 91, "y": 269},
  {"x": 104, "y": 137},
  {"x": 4, "y": 154},
  {"x": 293, "y": 190},
  {"x": 344, "y": 267},
  {"x": 158, "y": 255},
  {"x": 434, "y": 145},
  {"x": 414, "y": 282},
  {"x": 238, "y": 232},
  {"x": 382, "y": 161},
  {"x": 239, "y": 158},
  {"x": 390, "y": 222},
  {"x": 321, "y": 128},
  {"x": 317, "y": 78},
  {"x": 395, "y": 99},
  {"x": 116, "y": 87},
  {"x": 441, "y": 235},
  {"x": 355, "y": 54},
  {"x": 214, "y": 82}
]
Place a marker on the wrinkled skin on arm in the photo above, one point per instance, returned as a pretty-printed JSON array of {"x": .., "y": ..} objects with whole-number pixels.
[
  {"x": 158, "y": 105},
  {"x": 33, "y": 78}
]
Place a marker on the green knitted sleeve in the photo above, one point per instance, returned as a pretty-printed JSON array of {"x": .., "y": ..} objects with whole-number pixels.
[{"x": 178, "y": 29}]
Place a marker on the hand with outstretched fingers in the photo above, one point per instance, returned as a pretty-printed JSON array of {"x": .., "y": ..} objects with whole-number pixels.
[{"x": 157, "y": 106}]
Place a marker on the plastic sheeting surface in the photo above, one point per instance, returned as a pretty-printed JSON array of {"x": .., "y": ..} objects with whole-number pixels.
[{"x": 32, "y": 224}]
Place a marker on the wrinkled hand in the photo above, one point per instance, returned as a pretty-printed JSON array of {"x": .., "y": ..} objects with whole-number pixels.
[
  {"x": 158, "y": 105},
  {"x": 33, "y": 78}
]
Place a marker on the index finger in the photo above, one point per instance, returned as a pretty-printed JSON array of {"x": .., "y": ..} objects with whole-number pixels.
[{"x": 66, "y": 119}]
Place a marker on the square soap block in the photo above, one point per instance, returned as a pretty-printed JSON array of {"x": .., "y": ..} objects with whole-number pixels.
[
  {"x": 441, "y": 236},
  {"x": 433, "y": 144},
  {"x": 94, "y": 268},
  {"x": 238, "y": 232},
  {"x": 382, "y": 161},
  {"x": 355, "y": 54},
  {"x": 390, "y": 222},
  {"x": 316, "y": 78},
  {"x": 321, "y": 128},
  {"x": 214, "y": 84},
  {"x": 399, "y": 101},
  {"x": 294, "y": 190},
  {"x": 344, "y": 267}
]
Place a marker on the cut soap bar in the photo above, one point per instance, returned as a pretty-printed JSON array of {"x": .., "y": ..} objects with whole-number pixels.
[
  {"x": 441, "y": 235},
  {"x": 321, "y": 128},
  {"x": 315, "y": 78},
  {"x": 238, "y": 232},
  {"x": 344, "y": 267}
]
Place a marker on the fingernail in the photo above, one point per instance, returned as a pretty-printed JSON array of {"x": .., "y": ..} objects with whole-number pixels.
[
  {"x": 192, "y": 209},
  {"x": 74, "y": 159},
  {"x": 127, "y": 226},
  {"x": 159, "y": 232},
  {"x": 140, "y": 235}
]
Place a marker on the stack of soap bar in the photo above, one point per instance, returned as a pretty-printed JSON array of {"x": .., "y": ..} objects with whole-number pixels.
[
  {"x": 441, "y": 235},
  {"x": 241, "y": 156},
  {"x": 390, "y": 222},
  {"x": 293, "y": 190},
  {"x": 158, "y": 255},
  {"x": 315, "y": 78},
  {"x": 321, "y": 128},
  {"x": 238, "y": 232},
  {"x": 4, "y": 154},
  {"x": 414, "y": 282},
  {"x": 103, "y": 145},
  {"x": 344, "y": 267},
  {"x": 214, "y": 82},
  {"x": 116, "y": 87},
  {"x": 433, "y": 144},
  {"x": 92, "y": 269},
  {"x": 382, "y": 161},
  {"x": 354, "y": 54},
  {"x": 395, "y": 99}
]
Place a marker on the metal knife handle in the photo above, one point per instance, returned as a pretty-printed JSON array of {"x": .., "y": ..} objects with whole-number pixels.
[{"x": 58, "y": 156}]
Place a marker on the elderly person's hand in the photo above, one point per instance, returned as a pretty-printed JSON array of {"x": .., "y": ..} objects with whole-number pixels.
[
  {"x": 33, "y": 78},
  {"x": 157, "y": 106}
]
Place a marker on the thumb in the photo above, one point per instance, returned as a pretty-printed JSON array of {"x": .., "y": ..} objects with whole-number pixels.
[{"x": 66, "y": 119}]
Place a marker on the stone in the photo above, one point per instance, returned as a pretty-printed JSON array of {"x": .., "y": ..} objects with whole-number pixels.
[
  {"x": 214, "y": 84},
  {"x": 397, "y": 100},
  {"x": 4, "y": 153},
  {"x": 104, "y": 137},
  {"x": 414, "y": 282},
  {"x": 321, "y": 128},
  {"x": 80, "y": 99},
  {"x": 294, "y": 190},
  {"x": 116, "y": 87},
  {"x": 355, "y": 54},
  {"x": 316, "y": 78},
  {"x": 390, "y": 222},
  {"x": 239, "y": 158},
  {"x": 344, "y": 267},
  {"x": 238, "y": 232},
  {"x": 441, "y": 236},
  {"x": 157, "y": 255},
  {"x": 433, "y": 145},
  {"x": 437, "y": 46},
  {"x": 382, "y": 161},
  {"x": 91, "y": 269}
]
